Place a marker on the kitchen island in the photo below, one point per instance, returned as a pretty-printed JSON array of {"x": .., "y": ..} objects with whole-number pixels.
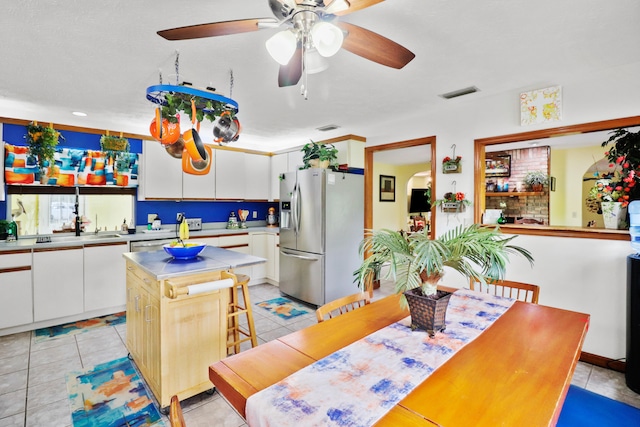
[{"x": 177, "y": 317}]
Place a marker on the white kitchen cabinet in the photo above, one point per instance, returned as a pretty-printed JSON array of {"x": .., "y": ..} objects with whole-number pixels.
[
  {"x": 161, "y": 173},
  {"x": 104, "y": 275},
  {"x": 230, "y": 174},
  {"x": 279, "y": 165},
  {"x": 58, "y": 282},
  {"x": 16, "y": 304},
  {"x": 200, "y": 186},
  {"x": 257, "y": 168},
  {"x": 265, "y": 245},
  {"x": 351, "y": 152}
]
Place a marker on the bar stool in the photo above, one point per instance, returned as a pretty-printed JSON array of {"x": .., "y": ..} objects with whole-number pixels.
[{"x": 234, "y": 330}]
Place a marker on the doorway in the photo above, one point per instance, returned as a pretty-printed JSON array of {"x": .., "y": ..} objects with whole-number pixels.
[{"x": 404, "y": 148}]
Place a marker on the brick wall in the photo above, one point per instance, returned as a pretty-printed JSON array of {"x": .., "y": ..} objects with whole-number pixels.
[{"x": 522, "y": 161}]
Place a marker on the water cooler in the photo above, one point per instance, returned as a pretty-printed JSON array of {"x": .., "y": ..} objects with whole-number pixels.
[{"x": 632, "y": 371}]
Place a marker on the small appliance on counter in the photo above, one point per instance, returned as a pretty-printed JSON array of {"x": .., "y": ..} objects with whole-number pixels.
[
  {"x": 272, "y": 218},
  {"x": 232, "y": 222}
]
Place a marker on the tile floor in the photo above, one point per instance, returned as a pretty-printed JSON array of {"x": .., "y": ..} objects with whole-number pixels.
[{"x": 32, "y": 375}]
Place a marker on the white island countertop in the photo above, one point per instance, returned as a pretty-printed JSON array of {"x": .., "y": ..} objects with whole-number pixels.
[{"x": 162, "y": 266}]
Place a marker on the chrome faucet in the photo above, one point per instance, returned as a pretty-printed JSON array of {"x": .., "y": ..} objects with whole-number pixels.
[{"x": 78, "y": 219}]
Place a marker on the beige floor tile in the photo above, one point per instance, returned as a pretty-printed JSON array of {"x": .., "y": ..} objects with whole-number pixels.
[
  {"x": 214, "y": 413},
  {"x": 12, "y": 403},
  {"x": 16, "y": 420},
  {"x": 51, "y": 342},
  {"x": 54, "y": 354},
  {"x": 581, "y": 374},
  {"x": 116, "y": 351},
  {"x": 15, "y": 344},
  {"x": 100, "y": 343},
  {"x": 52, "y": 371},
  {"x": 56, "y": 414},
  {"x": 12, "y": 364},
  {"x": 45, "y": 393},
  {"x": 13, "y": 381}
]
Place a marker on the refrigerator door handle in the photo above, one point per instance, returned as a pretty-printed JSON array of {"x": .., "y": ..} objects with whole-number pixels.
[
  {"x": 295, "y": 208},
  {"x": 299, "y": 257}
]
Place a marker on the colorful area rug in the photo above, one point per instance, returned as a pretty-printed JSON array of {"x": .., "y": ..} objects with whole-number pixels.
[
  {"x": 583, "y": 408},
  {"x": 284, "y": 308},
  {"x": 111, "y": 395},
  {"x": 81, "y": 326}
]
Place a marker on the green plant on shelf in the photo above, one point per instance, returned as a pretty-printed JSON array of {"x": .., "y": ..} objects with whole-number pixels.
[{"x": 42, "y": 142}]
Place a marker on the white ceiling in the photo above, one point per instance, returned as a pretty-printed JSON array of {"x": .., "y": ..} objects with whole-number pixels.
[{"x": 59, "y": 56}]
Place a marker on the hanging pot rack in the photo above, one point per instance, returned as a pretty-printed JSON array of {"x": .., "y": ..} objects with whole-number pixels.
[{"x": 157, "y": 95}]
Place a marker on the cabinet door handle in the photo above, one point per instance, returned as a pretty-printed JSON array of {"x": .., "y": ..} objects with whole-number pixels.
[
  {"x": 136, "y": 299},
  {"x": 130, "y": 268},
  {"x": 146, "y": 319},
  {"x": 147, "y": 281}
]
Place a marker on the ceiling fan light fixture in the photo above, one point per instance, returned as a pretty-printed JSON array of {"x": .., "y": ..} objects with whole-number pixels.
[
  {"x": 281, "y": 46},
  {"x": 327, "y": 38},
  {"x": 314, "y": 63}
]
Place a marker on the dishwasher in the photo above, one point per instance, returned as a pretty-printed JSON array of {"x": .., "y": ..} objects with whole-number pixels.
[{"x": 149, "y": 245}]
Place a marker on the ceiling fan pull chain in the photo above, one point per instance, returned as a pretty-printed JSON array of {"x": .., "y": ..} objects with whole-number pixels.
[
  {"x": 177, "y": 63},
  {"x": 160, "y": 75},
  {"x": 231, "y": 83}
]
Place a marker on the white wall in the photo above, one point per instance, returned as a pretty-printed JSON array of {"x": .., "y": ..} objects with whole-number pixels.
[{"x": 585, "y": 275}]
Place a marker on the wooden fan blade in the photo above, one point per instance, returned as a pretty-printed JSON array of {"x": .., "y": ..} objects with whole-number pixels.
[
  {"x": 358, "y": 5},
  {"x": 214, "y": 29},
  {"x": 374, "y": 47},
  {"x": 289, "y": 75}
]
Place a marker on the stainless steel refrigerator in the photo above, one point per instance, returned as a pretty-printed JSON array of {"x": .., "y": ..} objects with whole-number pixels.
[{"x": 321, "y": 226}]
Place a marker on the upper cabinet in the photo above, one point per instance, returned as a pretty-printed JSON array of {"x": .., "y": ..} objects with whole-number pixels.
[
  {"x": 350, "y": 150},
  {"x": 279, "y": 165},
  {"x": 230, "y": 171},
  {"x": 257, "y": 172},
  {"x": 161, "y": 173},
  {"x": 196, "y": 187}
]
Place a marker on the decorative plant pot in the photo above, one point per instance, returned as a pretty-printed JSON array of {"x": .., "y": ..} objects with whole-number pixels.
[
  {"x": 614, "y": 215},
  {"x": 452, "y": 207},
  {"x": 537, "y": 188},
  {"x": 451, "y": 167},
  {"x": 317, "y": 163},
  {"x": 428, "y": 312}
]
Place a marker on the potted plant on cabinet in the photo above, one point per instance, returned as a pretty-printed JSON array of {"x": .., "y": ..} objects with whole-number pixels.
[
  {"x": 417, "y": 264},
  {"x": 42, "y": 142},
  {"x": 319, "y": 155},
  {"x": 536, "y": 180}
]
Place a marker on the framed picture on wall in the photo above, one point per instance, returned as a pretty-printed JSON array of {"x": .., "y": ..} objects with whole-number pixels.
[
  {"x": 497, "y": 166},
  {"x": 387, "y": 188}
]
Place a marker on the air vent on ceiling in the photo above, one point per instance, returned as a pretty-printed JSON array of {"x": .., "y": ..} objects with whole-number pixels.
[
  {"x": 460, "y": 92},
  {"x": 327, "y": 128}
]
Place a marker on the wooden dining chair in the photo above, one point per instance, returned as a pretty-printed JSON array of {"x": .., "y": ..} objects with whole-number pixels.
[
  {"x": 343, "y": 305},
  {"x": 175, "y": 413},
  {"x": 508, "y": 288}
]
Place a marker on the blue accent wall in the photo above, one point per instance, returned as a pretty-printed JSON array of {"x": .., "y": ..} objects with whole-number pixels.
[{"x": 209, "y": 211}]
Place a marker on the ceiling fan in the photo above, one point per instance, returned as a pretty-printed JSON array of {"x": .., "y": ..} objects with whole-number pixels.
[{"x": 310, "y": 32}]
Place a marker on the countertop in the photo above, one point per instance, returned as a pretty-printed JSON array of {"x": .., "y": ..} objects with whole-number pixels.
[
  {"x": 69, "y": 239},
  {"x": 163, "y": 266}
]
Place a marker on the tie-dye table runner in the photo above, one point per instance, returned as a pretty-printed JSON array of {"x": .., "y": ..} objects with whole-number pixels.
[{"x": 358, "y": 384}]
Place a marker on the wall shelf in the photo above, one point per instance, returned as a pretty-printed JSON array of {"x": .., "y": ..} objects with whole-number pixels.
[{"x": 514, "y": 193}]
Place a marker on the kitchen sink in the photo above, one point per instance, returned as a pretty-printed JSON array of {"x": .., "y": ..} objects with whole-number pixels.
[{"x": 84, "y": 237}]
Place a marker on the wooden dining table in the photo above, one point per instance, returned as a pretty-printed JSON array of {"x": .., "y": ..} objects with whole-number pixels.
[{"x": 517, "y": 372}]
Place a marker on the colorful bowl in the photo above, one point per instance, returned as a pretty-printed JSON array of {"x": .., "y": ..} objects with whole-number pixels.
[{"x": 191, "y": 250}]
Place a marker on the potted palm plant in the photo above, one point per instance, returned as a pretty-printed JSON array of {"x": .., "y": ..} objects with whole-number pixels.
[
  {"x": 42, "y": 142},
  {"x": 417, "y": 263}
]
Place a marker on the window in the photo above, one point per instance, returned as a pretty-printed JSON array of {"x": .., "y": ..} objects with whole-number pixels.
[{"x": 55, "y": 213}]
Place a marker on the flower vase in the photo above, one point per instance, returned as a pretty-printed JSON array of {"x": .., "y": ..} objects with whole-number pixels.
[{"x": 613, "y": 215}]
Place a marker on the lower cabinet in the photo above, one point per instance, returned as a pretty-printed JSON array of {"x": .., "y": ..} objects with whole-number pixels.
[
  {"x": 16, "y": 304},
  {"x": 104, "y": 275},
  {"x": 265, "y": 245},
  {"x": 174, "y": 340},
  {"x": 57, "y": 282},
  {"x": 238, "y": 243}
]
